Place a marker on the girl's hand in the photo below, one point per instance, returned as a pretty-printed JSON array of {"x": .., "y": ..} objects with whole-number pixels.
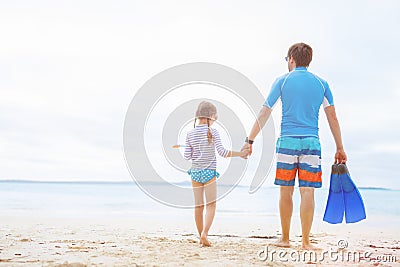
[
  {"x": 247, "y": 147},
  {"x": 244, "y": 153}
]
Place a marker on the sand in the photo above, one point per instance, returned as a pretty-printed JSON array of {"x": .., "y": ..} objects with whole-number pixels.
[{"x": 142, "y": 242}]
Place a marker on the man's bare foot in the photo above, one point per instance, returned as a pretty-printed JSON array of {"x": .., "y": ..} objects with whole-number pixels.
[
  {"x": 204, "y": 241},
  {"x": 281, "y": 243},
  {"x": 309, "y": 247}
]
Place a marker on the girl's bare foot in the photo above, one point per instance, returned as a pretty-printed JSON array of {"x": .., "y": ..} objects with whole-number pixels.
[
  {"x": 282, "y": 243},
  {"x": 204, "y": 241}
]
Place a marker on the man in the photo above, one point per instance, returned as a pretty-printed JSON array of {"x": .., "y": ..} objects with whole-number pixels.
[{"x": 298, "y": 148}]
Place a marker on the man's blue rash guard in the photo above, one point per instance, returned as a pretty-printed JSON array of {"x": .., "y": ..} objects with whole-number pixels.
[{"x": 302, "y": 94}]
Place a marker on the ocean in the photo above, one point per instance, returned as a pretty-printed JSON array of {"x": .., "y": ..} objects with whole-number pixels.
[{"x": 125, "y": 199}]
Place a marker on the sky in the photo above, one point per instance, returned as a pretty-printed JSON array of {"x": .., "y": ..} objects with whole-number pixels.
[{"x": 69, "y": 70}]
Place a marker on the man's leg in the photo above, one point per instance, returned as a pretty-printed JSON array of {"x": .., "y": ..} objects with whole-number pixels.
[
  {"x": 309, "y": 178},
  {"x": 306, "y": 215},
  {"x": 285, "y": 210},
  {"x": 286, "y": 169}
]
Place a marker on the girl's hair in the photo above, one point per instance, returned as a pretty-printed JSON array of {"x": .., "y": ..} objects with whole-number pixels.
[{"x": 205, "y": 110}]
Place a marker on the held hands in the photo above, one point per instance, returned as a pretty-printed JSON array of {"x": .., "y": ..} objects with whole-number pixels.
[
  {"x": 247, "y": 149},
  {"x": 340, "y": 156},
  {"x": 244, "y": 152}
]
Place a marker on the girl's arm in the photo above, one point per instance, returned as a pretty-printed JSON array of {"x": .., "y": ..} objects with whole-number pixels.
[
  {"x": 188, "y": 149},
  {"x": 242, "y": 153},
  {"x": 224, "y": 152}
]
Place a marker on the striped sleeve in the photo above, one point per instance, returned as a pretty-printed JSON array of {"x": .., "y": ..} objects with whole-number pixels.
[
  {"x": 188, "y": 149},
  {"x": 218, "y": 145}
]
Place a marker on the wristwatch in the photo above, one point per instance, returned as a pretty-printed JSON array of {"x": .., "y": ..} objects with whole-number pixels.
[{"x": 249, "y": 141}]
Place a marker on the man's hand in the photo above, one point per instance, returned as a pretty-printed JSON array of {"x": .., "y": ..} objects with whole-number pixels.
[
  {"x": 340, "y": 156},
  {"x": 244, "y": 152},
  {"x": 248, "y": 147}
]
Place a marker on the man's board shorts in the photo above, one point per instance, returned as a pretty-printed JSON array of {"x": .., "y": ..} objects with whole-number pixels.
[
  {"x": 202, "y": 175},
  {"x": 301, "y": 155}
]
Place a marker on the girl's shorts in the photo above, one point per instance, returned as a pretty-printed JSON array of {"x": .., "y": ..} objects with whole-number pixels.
[{"x": 202, "y": 176}]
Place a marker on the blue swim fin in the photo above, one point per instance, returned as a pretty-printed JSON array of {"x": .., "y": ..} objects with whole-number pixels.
[
  {"x": 335, "y": 207},
  {"x": 353, "y": 203}
]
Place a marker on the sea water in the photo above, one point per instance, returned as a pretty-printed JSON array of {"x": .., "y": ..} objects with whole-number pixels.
[{"x": 127, "y": 200}]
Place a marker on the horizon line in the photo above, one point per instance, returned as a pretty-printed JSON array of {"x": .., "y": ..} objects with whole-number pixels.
[{"x": 132, "y": 181}]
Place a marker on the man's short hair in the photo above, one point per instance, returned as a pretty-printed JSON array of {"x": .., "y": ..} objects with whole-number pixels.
[{"x": 301, "y": 53}]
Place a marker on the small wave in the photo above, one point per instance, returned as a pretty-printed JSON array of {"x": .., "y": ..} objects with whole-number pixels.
[{"x": 375, "y": 188}]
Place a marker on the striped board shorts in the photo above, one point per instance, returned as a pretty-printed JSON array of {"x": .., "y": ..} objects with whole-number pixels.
[{"x": 301, "y": 155}]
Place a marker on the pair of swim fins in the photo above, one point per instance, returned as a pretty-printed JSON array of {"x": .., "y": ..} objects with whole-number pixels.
[{"x": 344, "y": 198}]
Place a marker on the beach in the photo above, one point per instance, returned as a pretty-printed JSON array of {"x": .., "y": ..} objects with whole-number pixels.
[
  {"x": 144, "y": 243},
  {"x": 105, "y": 103},
  {"x": 63, "y": 233}
]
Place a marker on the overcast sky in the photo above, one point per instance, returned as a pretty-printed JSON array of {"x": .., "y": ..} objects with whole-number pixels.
[{"x": 69, "y": 69}]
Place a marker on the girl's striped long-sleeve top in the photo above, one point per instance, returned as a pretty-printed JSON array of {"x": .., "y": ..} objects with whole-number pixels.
[{"x": 200, "y": 151}]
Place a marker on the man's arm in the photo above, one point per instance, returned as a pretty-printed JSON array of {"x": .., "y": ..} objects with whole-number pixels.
[
  {"x": 262, "y": 118},
  {"x": 340, "y": 155}
]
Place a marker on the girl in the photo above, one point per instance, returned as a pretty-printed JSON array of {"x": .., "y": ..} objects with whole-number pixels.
[{"x": 200, "y": 146}]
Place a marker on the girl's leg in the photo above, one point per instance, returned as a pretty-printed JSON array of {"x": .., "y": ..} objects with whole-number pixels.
[
  {"x": 198, "y": 190},
  {"x": 210, "y": 189}
]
